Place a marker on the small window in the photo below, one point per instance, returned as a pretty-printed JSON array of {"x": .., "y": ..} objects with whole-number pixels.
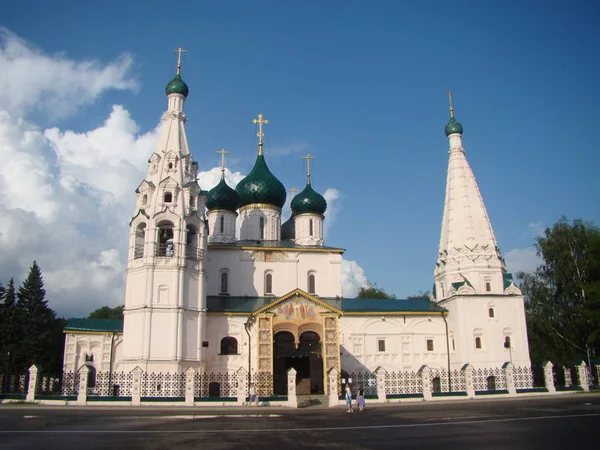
[
  {"x": 310, "y": 227},
  {"x": 488, "y": 287},
  {"x": 191, "y": 201},
  {"x": 224, "y": 280},
  {"x": 204, "y": 344},
  {"x": 170, "y": 166},
  {"x": 381, "y": 345},
  {"x": 222, "y": 224},
  {"x": 145, "y": 199},
  {"x": 507, "y": 342},
  {"x": 453, "y": 346},
  {"x": 229, "y": 346},
  {"x": 168, "y": 197},
  {"x": 442, "y": 289},
  {"x": 262, "y": 227},
  {"x": 429, "y": 345},
  {"x": 311, "y": 284},
  {"x": 478, "y": 342},
  {"x": 491, "y": 312},
  {"x": 436, "y": 384},
  {"x": 269, "y": 284},
  {"x": 89, "y": 357}
]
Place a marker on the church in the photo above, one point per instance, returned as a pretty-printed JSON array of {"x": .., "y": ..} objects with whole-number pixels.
[{"x": 215, "y": 282}]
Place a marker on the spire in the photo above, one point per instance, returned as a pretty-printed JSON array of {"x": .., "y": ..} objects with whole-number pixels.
[
  {"x": 308, "y": 157},
  {"x": 260, "y": 121},
  {"x": 177, "y": 85},
  {"x": 453, "y": 126},
  {"x": 179, "y": 52},
  {"x": 223, "y": 152},
  {"x": 450, "y": 95}
]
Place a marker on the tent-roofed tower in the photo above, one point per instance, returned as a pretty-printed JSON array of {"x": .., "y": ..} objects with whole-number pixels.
[{"x": 165, "y": 286}]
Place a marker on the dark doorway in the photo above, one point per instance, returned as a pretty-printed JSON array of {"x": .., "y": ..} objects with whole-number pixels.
[
  {"x": 306, "y": 359},
  {"x": 214, "y": 389}
]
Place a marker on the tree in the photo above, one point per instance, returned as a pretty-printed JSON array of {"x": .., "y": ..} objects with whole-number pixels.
[
  {"x": 11, "y": 327},
  {"x": 563, "y": 295},
  {"x": 420, "y": 296},
  {"x": 106, "y": 312},
  {"x": 373, "y": 292}
]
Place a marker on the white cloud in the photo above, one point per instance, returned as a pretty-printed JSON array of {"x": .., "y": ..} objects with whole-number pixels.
[
  {"x": 332, "y": 196},
  {"x": 353, "y": 278},
  {"x": 54, "y": 84},
  {"x": 522, "y": 260},
  {"x": 210, "y": 178},
  {"x": 538, "y": 229}
]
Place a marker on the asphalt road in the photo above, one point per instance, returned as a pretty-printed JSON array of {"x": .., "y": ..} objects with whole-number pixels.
[{"x": 544, "y": 422}]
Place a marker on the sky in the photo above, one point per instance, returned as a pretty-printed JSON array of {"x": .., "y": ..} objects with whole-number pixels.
[{"x": 359, "y": 85}]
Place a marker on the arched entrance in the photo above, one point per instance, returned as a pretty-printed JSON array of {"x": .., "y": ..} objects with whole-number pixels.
[{"x": 304, "y": 356}]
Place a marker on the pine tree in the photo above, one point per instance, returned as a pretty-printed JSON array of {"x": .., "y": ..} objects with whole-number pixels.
[{"x": 10, "y": 329}]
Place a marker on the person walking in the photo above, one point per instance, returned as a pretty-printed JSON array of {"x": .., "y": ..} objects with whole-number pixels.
[
  {"x": 252, "y": 395},
  {"x": 360, "y": 398},
  {"x": 349, "y": 398}
]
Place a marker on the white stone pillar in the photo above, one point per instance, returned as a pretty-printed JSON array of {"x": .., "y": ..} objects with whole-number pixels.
[
  {"x": 190, "y": 386},
  {"x": 32, "y": 387},
  {"x": 549, "y": 377},
  {"x": 426, "y": 382},
  {"x": 582, "y": 374},
  {"x": 84, "y": 374},
  {"x": 380, "y": 373},
  {"x": 469, "y": 384},
  {"x": 292, "y": 397},
  {"x": 242, "y": 385},
  {"x": 333, "y": 387},
  {"x": 136, "y": 386},
  {"x": 509, "y": 376}
]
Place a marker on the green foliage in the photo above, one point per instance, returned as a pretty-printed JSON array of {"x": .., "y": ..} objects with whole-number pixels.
[
  {"x": 563, "y": 295},
  {"x": 106, "y": 312},
  {"x": 420, "y": 296},
  {"x": 372, "y": 291}
]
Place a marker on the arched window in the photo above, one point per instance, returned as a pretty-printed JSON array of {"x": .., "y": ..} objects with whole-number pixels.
[
  {"x": 488, "y": 287},
  {"x": 140, "y": 236},
  {"x": 145, "y": 199},
  {"x": 262, "y": 227},
  {"x": 170, "y": 165},
  {"x": 168, "y": 198},
  {"x": 268, "y": 283},
  {"x": 491, "y": 383},
  {"x": 507, "y": 342},
  {"x": 165, "y": 246},
  {"x": 224, "y": 283},
  {"x": 436, "y": 385},
  {"x": 478, "y": 342},
  {"x": 191, "y": 201},
  {"x": 491, "y": 312},
  {"x": 311, "y": 283},
  {"x": 91, "y": 377},
  {"x": 222, "y": 224},
  {"x": 191, "y": 249},
  {"x": 310, "y": 227},
  {"x": 229, "y": 346}
]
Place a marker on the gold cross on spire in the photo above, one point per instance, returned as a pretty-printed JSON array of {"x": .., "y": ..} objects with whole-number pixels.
[
  {"x": 260, "y": 121},
  {"x": 179, "y": 52},
  {"x": 294, "y": 191},
  {"x": 450, "y": 95},
  {"x": 223, "y": 152},
  {"x": 308, "y": 157}
]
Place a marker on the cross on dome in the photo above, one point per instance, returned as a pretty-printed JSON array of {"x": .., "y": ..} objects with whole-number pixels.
[
  {"x": 307, "y": 157},
  {"x": 260, "y": 121},
  {"x": 179, "y": 52}
]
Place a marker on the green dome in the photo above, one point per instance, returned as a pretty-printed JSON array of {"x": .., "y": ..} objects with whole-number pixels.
[
  {"x": 261, "y": 186},
  {"x": 177, "y": 86},
  {"x": 309, "y": 201},
  {"x": 222, "y": 197},
  {"x": 288, "y": 229},
  {"x": 453, "y": 127}
]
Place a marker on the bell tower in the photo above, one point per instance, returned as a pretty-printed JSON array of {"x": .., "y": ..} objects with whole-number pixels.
[{"x": 165, "y": 288}]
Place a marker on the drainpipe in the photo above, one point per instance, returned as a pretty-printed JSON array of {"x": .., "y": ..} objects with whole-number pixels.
[
  {"x": 246, "y": 325},
  {"x": 448, "y": 351},
  {"x": 110, "y": 364}
]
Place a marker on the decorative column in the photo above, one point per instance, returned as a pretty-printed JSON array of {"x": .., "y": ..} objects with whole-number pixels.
[
  {"x": 549, "y": 377},
  {"x": 136, "y": 386},
  {"x": 426, "y": 382},
  {"x": 334, "y": 394},
  {"x": 265, "y": 355},
  {"x": 509, "y": 376},
  {"x": 190, "y": 386},
  {"x": 84, "y": 374},
  {"x": 331, "y": 357},
  {"x": 33, "y": 382},
  {"x": 469, "y": 384},
  {"x": 380, "y": 373},
  {"x": 583, "y": 376},
  {"x": 242, "y": 385},
  {"x": 291, "y": 381}
]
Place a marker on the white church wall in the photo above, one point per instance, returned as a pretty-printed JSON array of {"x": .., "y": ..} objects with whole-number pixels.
[{"x": 221, "y": 326}]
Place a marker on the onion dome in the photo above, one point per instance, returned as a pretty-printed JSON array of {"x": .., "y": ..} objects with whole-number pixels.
[
  {"x": 177, "y": 86},
  {"x": 222, "y": 197},
  {"x": 261, "y": 186},
  {"x": 453, "y": 127},
  {"x": 288, "y": 229},
  {"x": 308, "y": 201}
]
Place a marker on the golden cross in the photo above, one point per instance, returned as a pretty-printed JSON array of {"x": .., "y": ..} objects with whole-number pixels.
[
  {"x": 223, "y": 152},
  {"x": 294, "y": 191},
  {"x": 179, "y": 52},
  {"x": 450, "y": 95},
  {"x": 307, "y": 157},
  {"x": 260, "y": 121}
]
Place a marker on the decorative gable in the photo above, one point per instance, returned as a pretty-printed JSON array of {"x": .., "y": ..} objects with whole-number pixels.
[{"x": 297, "y": 306}]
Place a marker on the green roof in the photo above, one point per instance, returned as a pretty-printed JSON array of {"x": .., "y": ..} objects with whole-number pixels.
[
  {"x": 177, "y": 86},
  {"x": 226, "y": 303},
  {"x": 508, "y": 280},
  {"x": 309, "y": 201},
  {"x": 288, "y": 229},
  {"x": 261, "y": 186},
  {"x": 222, "y": 197},
  {"x": 274, "y": 245},
  {"x": 453, "y": 127},
  {"x": 109, "y": 325}
]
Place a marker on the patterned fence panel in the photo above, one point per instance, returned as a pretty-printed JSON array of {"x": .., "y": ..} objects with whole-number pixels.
[
  {"x": 366, "y": 380},
  {"x": 15, "y": 384},
  {"x": 489, "y": 379},
  {"x": 69, "y": 384},
  {"x": 121, "y": 384},
  {"x": 524, "y": 377},
  {"x": 439, "y": 380},
  {"x": 403, "y": 383},
  {"x": 264, "y": 383},
  {"x": 165, "y": 385},
  {"x": 48, "y": 385},
  {"x": 216, "y": 385},
  {"x": 458, "y": 380}
]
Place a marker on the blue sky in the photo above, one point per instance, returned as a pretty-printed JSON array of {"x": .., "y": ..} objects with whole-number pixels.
[{"x": 361, "y": 85}]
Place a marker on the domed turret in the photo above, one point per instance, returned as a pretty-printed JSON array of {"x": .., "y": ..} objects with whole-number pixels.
[
  {"x": 222, "y": 197},
  {"x": 261, "y": 186},
  {"x": 309, "y": 201},
  {"x": 453, "y": 127},
  {"x": 288, "y": 229},
  {"x": 177, "y": 86}
]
